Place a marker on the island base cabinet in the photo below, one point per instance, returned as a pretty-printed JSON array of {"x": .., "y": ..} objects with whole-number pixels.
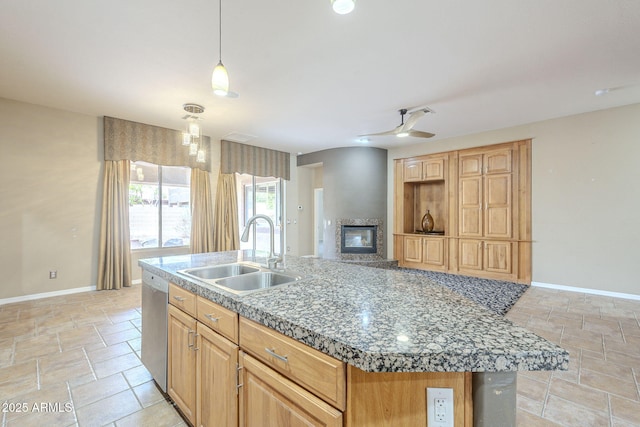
[
  {"x": 216, "y": 370},
  {"x": 181, "y": 362},
  {"x": 268, "y": 399},
  {"x": 399, "y": 399}
]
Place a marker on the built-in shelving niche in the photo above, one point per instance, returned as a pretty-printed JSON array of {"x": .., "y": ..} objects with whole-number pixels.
[{"x": 425, "y": 196}]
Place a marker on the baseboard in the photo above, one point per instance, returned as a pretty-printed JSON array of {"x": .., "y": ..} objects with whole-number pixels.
[
  {"x": 586, "y": 290},
  {"x": 46, "y": 295}
]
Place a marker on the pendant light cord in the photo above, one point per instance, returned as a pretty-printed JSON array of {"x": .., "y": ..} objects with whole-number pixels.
[{"x": 220, "y": 27}]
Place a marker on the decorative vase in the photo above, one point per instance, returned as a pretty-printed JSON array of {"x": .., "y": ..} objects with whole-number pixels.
[{"x": 427, "y": 222}]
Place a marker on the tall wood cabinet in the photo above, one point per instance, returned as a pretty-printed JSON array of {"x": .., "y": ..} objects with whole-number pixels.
[{"x": 480, "y": 199}]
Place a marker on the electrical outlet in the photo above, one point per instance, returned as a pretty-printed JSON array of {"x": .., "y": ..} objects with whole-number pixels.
[
  {"x": 439, "y": 407},
  {"x": 53, "y": 274}
]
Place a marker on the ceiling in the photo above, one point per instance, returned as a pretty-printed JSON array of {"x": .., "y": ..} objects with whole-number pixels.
[{"x": 310, "y": 79}]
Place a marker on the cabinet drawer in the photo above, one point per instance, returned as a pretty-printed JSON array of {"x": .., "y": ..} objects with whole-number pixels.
[
  {"x": 323, "y": 375},
  {"x": 183, "y": 299},
  {"x": 218, "y": 318}
]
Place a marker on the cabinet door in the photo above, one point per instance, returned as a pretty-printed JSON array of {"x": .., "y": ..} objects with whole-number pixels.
[
  {"x": 470, "y": 165},
  {"x": 181, "y": 375},
  {"x": 497, "y": 193},
  {"x": 217, "y": 395},
  {"x": 413, "y": 171},
  {"x": 498, "y": 161},
  {"x": 268, "y": 399},
  {"x": 412, "y": 249},
  {"x": 470, "y": 255},
  {"x": 433, "y": 252},
  {"x": 470, "y": 211},
  {"x": 498, "y": 257},
  {"x": 433, "y": 169}
]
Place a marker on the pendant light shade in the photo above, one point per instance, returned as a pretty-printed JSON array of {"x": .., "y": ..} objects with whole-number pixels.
[
  {"x": 220, "y": 80},
  {"x": 343, "y": 7}
]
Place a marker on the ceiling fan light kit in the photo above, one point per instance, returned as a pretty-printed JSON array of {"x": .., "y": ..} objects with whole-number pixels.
[{"x": 342, "y": 7}]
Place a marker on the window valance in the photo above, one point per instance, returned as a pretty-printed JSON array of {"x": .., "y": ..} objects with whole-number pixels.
[
  {"x": 126, "y": 140},
  {"x": 258, "y": 161}
]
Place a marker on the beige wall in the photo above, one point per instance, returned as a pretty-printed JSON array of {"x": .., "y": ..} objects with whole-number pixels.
[
  {"x": 585, "y": 195},
  {"x": 50, "y": 181},
  {"x": 51, "y": 165}
]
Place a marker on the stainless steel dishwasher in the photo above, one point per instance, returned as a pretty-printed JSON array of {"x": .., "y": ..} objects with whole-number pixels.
[{"x": 155, "y": 300}]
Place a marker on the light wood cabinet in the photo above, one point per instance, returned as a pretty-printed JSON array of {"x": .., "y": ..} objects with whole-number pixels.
[
  {"x": 428, "y": 252},
  {"x": 269, "y": 399},
  {"x": 485, "y": 195},
  {"x": 216, "y": 379},
  {"x": 482, "y": 203},
  {"x": 424, "y": 170},
  {"x": 181, "y": 375},
  {"x": 202, "y": 364},
  {"x": 321, "y": 374},
  {"x": 493, "y": 256}
]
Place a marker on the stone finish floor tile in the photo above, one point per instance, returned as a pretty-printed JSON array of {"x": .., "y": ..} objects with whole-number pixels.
[{"x": 96, "y": 367}]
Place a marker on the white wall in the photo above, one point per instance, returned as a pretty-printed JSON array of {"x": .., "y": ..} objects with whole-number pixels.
[{"x": 585, "y": 195}]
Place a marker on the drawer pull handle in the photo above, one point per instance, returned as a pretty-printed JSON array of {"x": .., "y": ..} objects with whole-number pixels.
[
  {"x": 210, "y": 317},
  {"x": 177, "y": 298},
  {"x": 273, "y": 353}
]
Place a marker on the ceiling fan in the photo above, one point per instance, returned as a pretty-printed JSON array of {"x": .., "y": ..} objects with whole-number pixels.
[{"x": 406, "y": 128}]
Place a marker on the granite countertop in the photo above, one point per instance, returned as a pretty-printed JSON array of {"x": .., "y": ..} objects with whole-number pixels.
[{"x": 376, "y": 320}]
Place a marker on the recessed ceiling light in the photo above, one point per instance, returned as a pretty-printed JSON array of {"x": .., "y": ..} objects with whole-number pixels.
[{"x": 602, "y": 92}]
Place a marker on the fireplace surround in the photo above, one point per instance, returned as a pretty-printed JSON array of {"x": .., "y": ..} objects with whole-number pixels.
[{"x": 359, "y": 239}]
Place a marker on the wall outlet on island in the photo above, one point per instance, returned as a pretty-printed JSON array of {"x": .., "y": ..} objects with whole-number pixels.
[
  {"x": 53, "y": 274},
  {"x": 439, "y": 407}
]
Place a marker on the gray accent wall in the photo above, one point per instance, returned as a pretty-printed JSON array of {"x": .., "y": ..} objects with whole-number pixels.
[{"x": 355, "y": 186}]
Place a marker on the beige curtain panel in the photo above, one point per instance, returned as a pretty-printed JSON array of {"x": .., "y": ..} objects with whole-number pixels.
[
  {"x": 114, "y": 264},
  {"x": 125, "y": 140},
  {"x": 242, "y": 158},
  {"x": 202, "y": 213},
  {"x": 227, "y": 230}
]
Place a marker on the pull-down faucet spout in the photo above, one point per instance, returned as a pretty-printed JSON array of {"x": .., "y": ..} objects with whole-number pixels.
[{"x": 272, "y": 261}]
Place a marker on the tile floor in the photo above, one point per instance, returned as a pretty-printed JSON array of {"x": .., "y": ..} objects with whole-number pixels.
[
  {"x": 74, "y": 361},
  {"x": 602, "y": 335}
]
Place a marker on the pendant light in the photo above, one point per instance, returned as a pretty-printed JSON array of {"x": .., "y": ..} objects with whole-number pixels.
[
  {"x": 193, "y": 135},
  {"x": 343, "y": 7},
  {"x": 220, "y": 77}
]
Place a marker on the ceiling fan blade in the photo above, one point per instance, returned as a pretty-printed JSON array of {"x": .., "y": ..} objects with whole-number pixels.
[
  {"x": 421, "y": 134},
  {"x": 413, "y": 119},
  {"x": 389, "y": 132}
]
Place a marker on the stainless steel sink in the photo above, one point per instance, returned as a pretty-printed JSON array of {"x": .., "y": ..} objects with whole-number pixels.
[
  {"x": 240, "y": 278},
  {"x": 219, "y": 271},
  {"x": 255, "y": 281}
]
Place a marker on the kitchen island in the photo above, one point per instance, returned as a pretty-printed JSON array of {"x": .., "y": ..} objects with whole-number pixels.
[{"x": 384, "y": 325}]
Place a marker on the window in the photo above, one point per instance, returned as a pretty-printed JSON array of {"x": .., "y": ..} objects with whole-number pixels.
[
  {"x": 159, "y": 206},
  {"x": 261, "y": 195}
]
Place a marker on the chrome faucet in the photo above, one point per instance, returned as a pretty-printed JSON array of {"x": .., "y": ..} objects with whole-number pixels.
[{"x": 272, "y": 261}]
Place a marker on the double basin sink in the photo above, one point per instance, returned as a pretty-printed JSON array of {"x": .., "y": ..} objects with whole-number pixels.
[{"x": 240, "y": 278}]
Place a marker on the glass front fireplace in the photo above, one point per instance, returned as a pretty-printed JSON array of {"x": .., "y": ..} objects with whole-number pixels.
[{"x": 358, "y": 239}]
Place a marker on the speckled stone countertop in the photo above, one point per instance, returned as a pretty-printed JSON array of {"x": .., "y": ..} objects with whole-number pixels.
[{"x": 376, "y": 320}]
